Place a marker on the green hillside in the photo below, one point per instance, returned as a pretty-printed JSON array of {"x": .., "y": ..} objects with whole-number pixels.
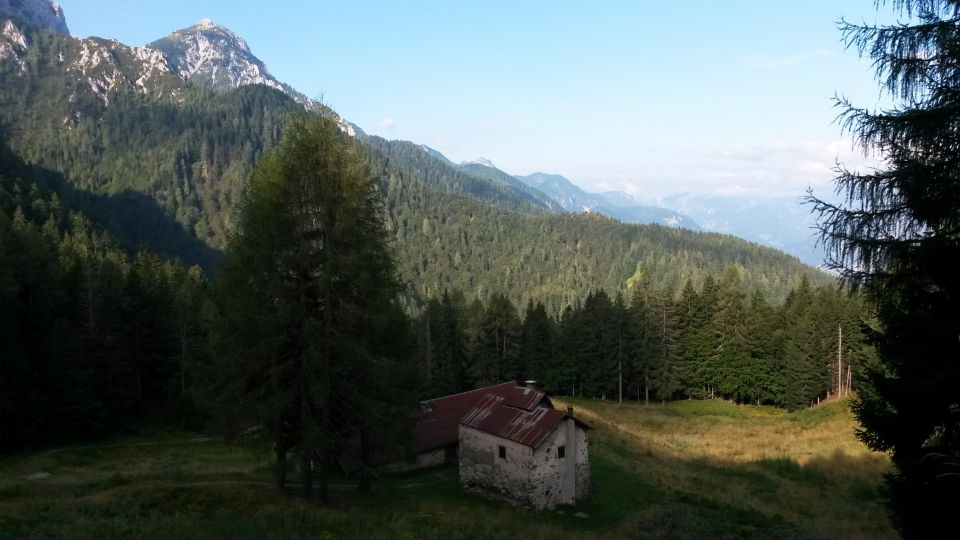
[{"x": 179, "y": 153}]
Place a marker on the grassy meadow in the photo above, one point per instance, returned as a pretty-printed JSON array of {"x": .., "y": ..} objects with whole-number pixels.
[{"x": 690, "y": 469}]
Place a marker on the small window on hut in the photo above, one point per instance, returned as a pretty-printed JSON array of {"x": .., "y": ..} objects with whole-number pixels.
[
  {"x": 503, "y": 452},
  {"x": 561, "y": 451}
]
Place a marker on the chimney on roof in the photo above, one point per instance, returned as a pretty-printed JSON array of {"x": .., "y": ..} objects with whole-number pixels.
[
  {"x": 570, "y": 412},
  {"x": 531, "y": 384}
]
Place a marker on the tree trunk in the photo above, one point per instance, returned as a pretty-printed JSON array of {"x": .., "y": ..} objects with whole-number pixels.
[
  {"x": 306, "y": 470},
  {"x": 281, "y": 473},
  {"x": 620, "y": 369},
  {"x": 183, "y": 361},
  {"x": 323, "y": 489},
  {"x": 364, "y": 486}
]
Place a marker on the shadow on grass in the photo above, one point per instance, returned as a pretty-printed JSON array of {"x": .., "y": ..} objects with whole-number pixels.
[{"x": 209, "y": 498}]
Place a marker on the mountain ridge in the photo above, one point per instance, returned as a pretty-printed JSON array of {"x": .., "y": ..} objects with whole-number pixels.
[
  {"x": 623, "y": 207},
  {"x": 40, "y": 14}
]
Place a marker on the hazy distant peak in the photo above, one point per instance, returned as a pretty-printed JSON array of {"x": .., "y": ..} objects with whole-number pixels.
[
  {"x": 42, "y": 14},
  {"x": 481, "y": 161},
  {"x": 623, "y": 198}
]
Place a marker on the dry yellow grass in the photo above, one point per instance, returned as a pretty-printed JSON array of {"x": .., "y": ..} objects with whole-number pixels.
[{"x": 806, "y": 467}]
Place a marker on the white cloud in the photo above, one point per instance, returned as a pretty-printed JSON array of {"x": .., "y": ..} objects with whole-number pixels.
[
  {"x": 388, "y": 123},
  {"x": 774, "y": 169}
]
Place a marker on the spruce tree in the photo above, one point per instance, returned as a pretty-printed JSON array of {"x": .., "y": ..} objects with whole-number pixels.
[
  {"x": 894, "y": 235},
  {"x": 452, "y": 344},
  {"x": 665, "y": 377},
  {"x": 799, "y": 362},
  {"x": 536, "y": 342},
  {"x": 645, "y": 345},
  {"x": 498, "y": 344}
]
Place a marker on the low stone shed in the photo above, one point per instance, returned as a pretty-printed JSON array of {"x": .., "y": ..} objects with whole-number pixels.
[{"x": 535, "y": 455}]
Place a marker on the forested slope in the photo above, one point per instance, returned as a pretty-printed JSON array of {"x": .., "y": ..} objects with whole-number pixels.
[
  {"x": 94, "y": 336},
  {"x": 172, "y": 152}
]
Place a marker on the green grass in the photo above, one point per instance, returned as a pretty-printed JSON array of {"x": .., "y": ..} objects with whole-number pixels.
[{"x": 686, "y": 470}]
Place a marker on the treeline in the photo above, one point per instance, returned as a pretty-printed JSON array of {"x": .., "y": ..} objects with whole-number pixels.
[{"x": 661, "y": 344}]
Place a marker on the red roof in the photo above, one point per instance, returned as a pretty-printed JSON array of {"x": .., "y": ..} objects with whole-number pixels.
[
  {"x": 494, "y": 415},
  {"x": 438, "y": 425}
]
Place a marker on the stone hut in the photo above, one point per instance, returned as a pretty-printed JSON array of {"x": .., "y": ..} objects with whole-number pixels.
[
  {"x": 507, "y": 438},
  {"x": 434, "y": 437},
  {"x": 535, "y": 455}
]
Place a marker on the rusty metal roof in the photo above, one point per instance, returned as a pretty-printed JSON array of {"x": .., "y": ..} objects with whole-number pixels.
[
  {"x": 494, "y": 415},
  {"x": 440, "y": 418}
]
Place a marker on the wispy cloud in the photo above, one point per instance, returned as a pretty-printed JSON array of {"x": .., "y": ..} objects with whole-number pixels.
[
  {"x": 388, "y": 123},
  {"x": 773, "y": 169},
  {"x": 769, "y": 62}
]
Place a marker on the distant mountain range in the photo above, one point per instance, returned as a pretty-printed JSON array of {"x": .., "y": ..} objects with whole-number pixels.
[
  {"x": 781, "y": 222},
  {"x": 618, "y": 205}
]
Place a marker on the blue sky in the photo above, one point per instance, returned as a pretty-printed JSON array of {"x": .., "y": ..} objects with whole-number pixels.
[{"x": 650, "y": 97}]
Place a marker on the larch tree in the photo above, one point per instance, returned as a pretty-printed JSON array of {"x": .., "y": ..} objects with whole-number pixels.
[
  {"x": 311, "y": 336},
  {"x": 895, "y": 235}
]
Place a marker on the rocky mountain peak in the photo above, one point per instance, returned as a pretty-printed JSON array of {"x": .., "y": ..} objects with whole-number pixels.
[
  {"x": 42, "y": 14},
  {"x": 481, "y": 161},
  {"x": 211, "y": 53},
  {"x": 211, "y": 28}
]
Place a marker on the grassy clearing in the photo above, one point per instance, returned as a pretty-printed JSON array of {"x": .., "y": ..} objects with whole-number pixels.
[
  {"x": 705, "y": 469},
  {"x": 805, "y": 468}
]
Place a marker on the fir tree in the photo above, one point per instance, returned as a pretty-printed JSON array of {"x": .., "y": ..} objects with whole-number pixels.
[
  {"x": 892, "y": 235},
  {"x": 536, "y": 342}
]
